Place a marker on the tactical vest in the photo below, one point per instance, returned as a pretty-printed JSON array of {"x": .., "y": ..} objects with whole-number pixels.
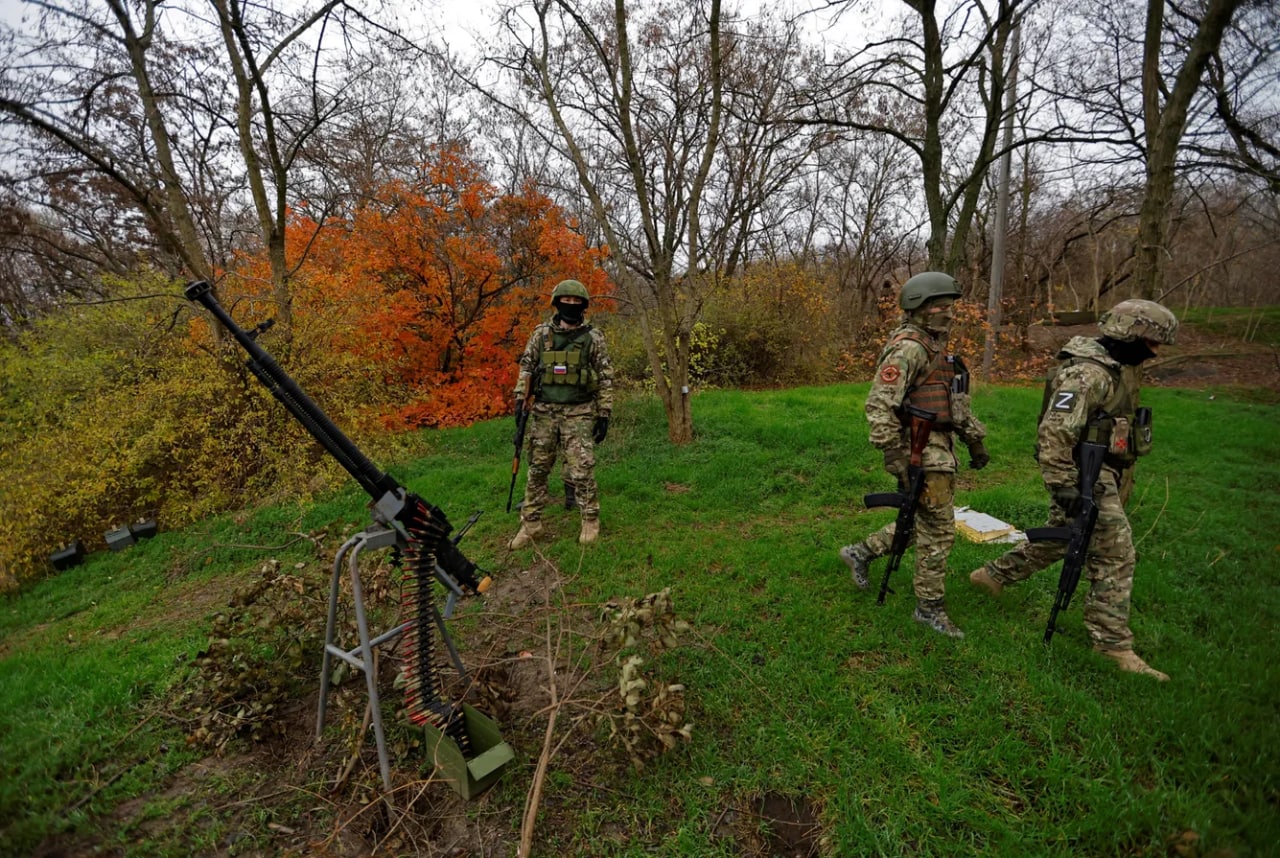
[
  {"x": 564, "y": 367},
  {"x": 933, "y": 393},
  {"x": 1118, "y": 424}
]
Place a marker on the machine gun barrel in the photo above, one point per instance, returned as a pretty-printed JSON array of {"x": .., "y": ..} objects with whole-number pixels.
[{"x": 295, "y": 400}]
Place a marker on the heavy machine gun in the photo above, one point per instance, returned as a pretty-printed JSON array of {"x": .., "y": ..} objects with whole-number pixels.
[{"x": 418, "y": 531}]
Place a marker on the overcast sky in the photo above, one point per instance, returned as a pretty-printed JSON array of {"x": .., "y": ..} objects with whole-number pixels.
[{"x": 461, "y": 20}]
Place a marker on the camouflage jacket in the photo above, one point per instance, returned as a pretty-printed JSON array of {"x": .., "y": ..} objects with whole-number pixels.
[
  {"x": 1079, "y": 390},
  {"x": 602, "y": 402},
  {"x": 903, "y": 365}
]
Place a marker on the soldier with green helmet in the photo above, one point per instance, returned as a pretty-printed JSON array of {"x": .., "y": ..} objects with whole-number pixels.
[
  {"x": 914, "y": 370},
  {"x": 566, "y": 366},
  {"x": 1092, "y": 395}
]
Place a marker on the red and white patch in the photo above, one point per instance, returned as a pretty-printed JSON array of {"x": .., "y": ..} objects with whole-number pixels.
[{"x": 890, "y": 374}]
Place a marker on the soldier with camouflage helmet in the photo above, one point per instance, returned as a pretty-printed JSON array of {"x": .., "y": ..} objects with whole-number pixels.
[
  {"x": 566, "y": 365},
  {"x": 1092, "y": 395},
  {"x": 914, "y": 369}
]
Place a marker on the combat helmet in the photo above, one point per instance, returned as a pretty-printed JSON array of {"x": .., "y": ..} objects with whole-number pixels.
[
  {"x": 925, "y": 286},
  {"x": 569, "y": 287},
  {"x": 1139, "y": 319}
]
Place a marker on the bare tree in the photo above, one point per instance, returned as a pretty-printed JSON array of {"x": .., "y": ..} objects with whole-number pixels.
[
  {"x": 182, "y": 107},
  {"x": 389, "y": 108},
  {"x": 937, "y": 87},
  {"x": 1164, "y": 115},
  {"x": 864, "y": 191},
  {"x": 664, "y": 114},
  {"x": 1241, "y": 78}
]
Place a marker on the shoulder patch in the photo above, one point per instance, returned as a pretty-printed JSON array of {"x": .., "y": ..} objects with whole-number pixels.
[
  {"x": 1063, "y": 400},
  {"x": 890, "y": 374}
]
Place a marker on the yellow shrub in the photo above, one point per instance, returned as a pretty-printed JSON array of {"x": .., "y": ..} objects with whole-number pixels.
[{"x": 113, "y": 413}]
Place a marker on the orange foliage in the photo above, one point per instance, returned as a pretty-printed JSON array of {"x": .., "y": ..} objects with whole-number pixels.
[
  {"x": 434, "y": 287},
  {"x": 968, "y": 335}
]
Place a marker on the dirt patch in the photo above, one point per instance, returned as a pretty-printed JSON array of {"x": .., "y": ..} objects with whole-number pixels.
[
  {"x": 773, "y": 825},
  {"x": 1199, "y": 359}
]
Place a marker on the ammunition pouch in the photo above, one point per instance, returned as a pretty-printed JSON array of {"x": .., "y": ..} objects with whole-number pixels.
[
  {"x": 1124, "y": 438},
  {"x": 565, "y": 370},
  {"x": 566, "y": 367}
]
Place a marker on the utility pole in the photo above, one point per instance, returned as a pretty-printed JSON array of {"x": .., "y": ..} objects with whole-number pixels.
[{"x": 1002, "y": 208}]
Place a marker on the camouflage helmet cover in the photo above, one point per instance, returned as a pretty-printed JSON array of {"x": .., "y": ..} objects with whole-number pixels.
[
  {"x": 570, "y": 287},
  {"x": 926, "y": 286},
  {"x": 1139, "y": 319}
]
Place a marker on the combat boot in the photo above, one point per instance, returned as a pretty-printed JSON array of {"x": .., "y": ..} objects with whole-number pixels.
[
  {"x": 933, "y": 613},
  {"x": 980, "y": 577},
  {"x": 1130, "y": 662},
  {"x": 570, "y": 495},
  {"x": 529, "y": 531},
  {"x": 590, "y": 531},
  {"x": 857, "y": 557}
]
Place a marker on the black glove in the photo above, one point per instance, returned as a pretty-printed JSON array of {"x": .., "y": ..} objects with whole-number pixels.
[
  {"x": 1067, "y": 497},
  {"x": 896, "y": 462},
  {"x": 600, "y": 430},
  {"x": 979, "y": 458}
]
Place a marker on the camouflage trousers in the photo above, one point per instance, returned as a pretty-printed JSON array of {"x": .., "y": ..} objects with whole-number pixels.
[
  {"x": 935, "y": 533},
  {"x": 553, "y": 429},
  {"x": 1109, "y": 569}
]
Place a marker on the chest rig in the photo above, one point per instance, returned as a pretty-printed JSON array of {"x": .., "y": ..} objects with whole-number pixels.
[
  {"x": 947, "y": 374},
  {"x": 564, "y": 367},
  {"x": 1117, "y": 424}
]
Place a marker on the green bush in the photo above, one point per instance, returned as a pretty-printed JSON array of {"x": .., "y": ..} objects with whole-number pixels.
[{"x": 773, "y": 325}]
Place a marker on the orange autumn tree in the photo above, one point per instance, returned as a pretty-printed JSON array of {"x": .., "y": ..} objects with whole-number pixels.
[{"x": 437, "y": 284}]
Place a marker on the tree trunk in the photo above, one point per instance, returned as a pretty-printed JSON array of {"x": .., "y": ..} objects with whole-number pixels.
[{"x": 1163, "y": 126}]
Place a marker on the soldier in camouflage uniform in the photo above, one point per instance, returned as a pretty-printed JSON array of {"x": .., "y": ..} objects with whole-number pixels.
[
  {"x": 567, "y": 366},
  {"x": 1093, "y": 396},
  {"x": 914, "y": 370}
]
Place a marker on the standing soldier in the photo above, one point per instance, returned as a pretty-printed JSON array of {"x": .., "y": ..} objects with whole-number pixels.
[
  {"x": 1092, "y": 395},
  {"x": 566, "y": 368},
  {"x": 913, "y": 370}
]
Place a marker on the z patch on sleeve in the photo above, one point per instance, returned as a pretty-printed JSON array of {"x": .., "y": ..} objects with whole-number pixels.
[
  {"x": 890, "y": 373},
  {"x": 1063, "y": 400}
]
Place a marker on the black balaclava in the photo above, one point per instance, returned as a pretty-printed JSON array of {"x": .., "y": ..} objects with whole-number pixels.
[
  {"x": 1127, "y": 352},
  {"x": 571, "y": 314}
]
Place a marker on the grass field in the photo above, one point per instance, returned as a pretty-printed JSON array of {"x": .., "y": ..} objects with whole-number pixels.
[{"x": 888, "y": 738}]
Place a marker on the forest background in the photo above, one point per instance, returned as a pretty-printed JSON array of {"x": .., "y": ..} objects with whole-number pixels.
[{"x": 741, "y": 197}]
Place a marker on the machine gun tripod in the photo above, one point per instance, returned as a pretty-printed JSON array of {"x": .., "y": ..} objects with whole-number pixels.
[{"x": 420, "y": 532}]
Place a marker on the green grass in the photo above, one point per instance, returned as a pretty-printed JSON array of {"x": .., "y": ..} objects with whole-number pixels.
[
  {"x": 1256, "y": 325},
  {"x": 906, "y": 743}
]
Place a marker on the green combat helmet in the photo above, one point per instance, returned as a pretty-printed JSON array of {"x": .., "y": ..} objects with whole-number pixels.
[
  {"x": 1139, "y": 319},
  {"x": 925, "y": 286},
  {"x": 569, "y": 287}
]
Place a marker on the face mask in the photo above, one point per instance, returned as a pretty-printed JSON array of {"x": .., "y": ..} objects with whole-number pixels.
[
  {"x": 937, "y": 319},
  {"x": 1127, "y": 352},
  {"x": 571, "y": 314}
]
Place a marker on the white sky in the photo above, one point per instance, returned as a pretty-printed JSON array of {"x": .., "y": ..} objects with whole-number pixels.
[{"x": 462, "y": 19}]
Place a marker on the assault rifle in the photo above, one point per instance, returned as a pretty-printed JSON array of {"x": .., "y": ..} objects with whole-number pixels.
[
  {"x": 1076, "y": 535},
  {"x": 907, "y": 501},
  {"x": 422, "y": 529},
  {"x": 523, "y": 407}
]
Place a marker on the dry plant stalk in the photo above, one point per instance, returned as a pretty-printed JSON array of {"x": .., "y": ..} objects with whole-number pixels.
[{"x": 650, "y": 716}]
